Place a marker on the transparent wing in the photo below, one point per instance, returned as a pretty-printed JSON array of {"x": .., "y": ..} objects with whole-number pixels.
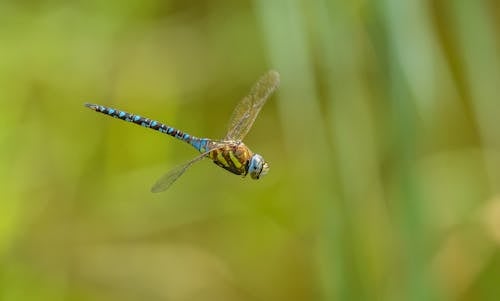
[
  {"x": 249, "y": 107},
  {"x": 170, "y": 177}
]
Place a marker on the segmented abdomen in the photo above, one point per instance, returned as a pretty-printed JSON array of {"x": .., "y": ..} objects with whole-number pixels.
[{"x": 199, "y": 143}]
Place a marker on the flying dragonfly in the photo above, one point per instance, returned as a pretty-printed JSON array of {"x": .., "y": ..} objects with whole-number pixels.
[{"x": 229, "y": 153}]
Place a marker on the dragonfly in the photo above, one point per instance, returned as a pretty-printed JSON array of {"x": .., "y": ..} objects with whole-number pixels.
[{"x": 229, "y": 153}]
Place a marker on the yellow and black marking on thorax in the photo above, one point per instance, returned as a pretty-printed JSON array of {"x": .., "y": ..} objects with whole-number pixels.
[{"x": 233, "y": 157}]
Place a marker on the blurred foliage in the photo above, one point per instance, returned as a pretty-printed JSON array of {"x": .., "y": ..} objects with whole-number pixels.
[{"x": 383, "y": 141}]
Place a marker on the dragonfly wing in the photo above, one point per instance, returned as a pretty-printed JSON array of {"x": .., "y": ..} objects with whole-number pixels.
[
  {"x": 170, "y": 177},
  {"x": 249, "y": 107}
]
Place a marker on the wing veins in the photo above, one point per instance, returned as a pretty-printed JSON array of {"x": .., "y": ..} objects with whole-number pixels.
[
  {"x": 165, "y": 181},
  {"x": 246, "y": 111}
]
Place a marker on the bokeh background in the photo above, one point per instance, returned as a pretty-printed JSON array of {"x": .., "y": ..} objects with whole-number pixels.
[{"x": 383, "y": 140}]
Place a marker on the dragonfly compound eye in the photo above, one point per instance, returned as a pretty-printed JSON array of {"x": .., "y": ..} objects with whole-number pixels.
[{"x": 258, "y": 167}]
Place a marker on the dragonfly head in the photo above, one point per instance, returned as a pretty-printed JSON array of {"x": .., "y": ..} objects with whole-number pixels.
[{"x": 258, "y": 167}]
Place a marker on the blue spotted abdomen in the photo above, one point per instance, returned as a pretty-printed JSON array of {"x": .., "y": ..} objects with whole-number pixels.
[{"x": 200, "y": 144}]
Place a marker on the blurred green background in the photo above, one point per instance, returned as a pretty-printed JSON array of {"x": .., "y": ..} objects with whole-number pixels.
[{"x": 383, "y": 141}]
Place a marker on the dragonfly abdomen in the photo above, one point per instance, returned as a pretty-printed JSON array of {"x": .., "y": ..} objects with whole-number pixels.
[{"x": 198, "y": 143}]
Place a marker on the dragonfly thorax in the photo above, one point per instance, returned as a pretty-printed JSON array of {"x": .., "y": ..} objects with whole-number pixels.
[
  {"x": 257, "y": 167},
  {"x": 236, "y": 157}
]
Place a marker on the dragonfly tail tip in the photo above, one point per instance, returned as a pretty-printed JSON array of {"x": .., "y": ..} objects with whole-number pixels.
[{"x": 90, "y": 105}]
